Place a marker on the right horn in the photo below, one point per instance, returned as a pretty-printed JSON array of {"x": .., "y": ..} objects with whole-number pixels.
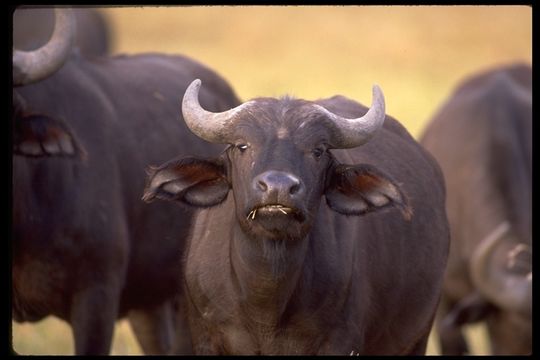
[
  {"x": 33, "y": 66},
  {"x": 355, "y": 132},
  {"x": 509, "y": 291},
  {"x": 210, "y": 126}
]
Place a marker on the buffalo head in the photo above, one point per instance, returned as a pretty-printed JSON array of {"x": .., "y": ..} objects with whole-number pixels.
[
  {"x": 37, "y": 134},
  {"x": 278, "y": 164}
]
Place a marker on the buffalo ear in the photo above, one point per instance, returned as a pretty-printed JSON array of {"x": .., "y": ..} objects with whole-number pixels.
[
  {"x": 42, "y": 136},
  {"x": 196, "y": 182},
  {"x": 360, "y": 189}
]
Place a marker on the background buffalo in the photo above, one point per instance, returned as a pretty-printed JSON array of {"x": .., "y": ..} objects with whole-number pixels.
[
  {"x": 482, "y": 139},
  {"x": 32, "y": 27},
  {"x": 85, "y": 248},
  {"x": 417, "y": 54}
]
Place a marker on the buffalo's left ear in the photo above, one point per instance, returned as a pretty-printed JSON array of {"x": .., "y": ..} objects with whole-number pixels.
[
  {"x": 40, "y": 136},
  {"x": 359, "y": 189},
  {"x": 193, "y": 181}
]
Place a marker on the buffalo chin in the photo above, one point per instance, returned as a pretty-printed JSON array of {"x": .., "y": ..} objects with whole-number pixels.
[{"x": 275, "y": 222}]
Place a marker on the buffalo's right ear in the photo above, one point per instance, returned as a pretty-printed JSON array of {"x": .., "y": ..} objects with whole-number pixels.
[
  {"x": 196, "y": 182},
  {"x": 39, "y": 136}
]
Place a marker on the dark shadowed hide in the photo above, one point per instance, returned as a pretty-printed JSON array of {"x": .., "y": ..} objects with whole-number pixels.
[
  {"x": 32, "y": 28},
  {"x": 86, "y": 248},
  {"x": 482, "y": 138},
  {"x": 320, "y": 230}
]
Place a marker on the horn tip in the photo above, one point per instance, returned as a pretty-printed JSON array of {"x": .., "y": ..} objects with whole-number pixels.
[
  {"x": 194, "y": 86},
  {"x": 191, "y": 91},
  {"x": 378, "y": 95},
  {"x": 377, "y": 88}
]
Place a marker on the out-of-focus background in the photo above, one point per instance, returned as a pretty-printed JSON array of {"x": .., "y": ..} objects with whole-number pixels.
[{"x": 417, "y": 54}]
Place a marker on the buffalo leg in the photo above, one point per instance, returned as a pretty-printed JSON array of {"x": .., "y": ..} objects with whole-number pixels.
[
  {"x": 182, "y": 343},
  {"x": 154, "y": 328},
  {"x": 420, "y": 347},
  {"x": 473, "y": 308},
  {"x": 509, "y": 333},
  {"x": 450, "y": 335},
  {"x": 93, "y": 315}
]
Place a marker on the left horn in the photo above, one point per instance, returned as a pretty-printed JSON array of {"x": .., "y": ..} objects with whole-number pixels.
[
  {"x": 210, "y": 126},
  {"x": 355, "y": 132},
  {"x": 32, "y": 66}
]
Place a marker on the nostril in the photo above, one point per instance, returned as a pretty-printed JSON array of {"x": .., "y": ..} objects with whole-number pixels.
[
  {"x": 294, "y": 189},
  {"x": 277, "y": 183},
  {"x": 262, "y": 185}
]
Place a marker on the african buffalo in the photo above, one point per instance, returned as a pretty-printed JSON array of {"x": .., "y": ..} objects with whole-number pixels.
[
  {"x": 85, "y": 247},
  {"x": 482, "y": 138},
  {"x": 32, "y": 28},
  {"x": 272, "y": 269}
]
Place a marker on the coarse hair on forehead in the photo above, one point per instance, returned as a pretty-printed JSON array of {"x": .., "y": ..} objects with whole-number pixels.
[
  {"x": 283, "y": 118},
  {"x": 281, "y": 112}
]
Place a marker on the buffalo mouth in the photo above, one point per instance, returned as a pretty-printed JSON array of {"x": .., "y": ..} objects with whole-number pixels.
[{"x": 275, "y": 210}]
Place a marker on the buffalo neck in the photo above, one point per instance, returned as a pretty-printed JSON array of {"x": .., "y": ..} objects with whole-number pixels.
[{"x": 265, "y": 273}]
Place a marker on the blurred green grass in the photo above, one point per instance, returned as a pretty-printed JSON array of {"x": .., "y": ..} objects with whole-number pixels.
[{"x": 417, "y": 54}]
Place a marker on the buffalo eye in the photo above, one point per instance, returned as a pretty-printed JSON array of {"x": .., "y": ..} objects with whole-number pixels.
[
  {"x": 242, "y": 147},
  {"x": 317, "y": 152}
]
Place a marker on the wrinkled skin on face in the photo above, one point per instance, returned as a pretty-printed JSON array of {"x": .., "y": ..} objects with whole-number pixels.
[
  {"x": 278, "y": 172},
  {"x": 282, "y": 257}
]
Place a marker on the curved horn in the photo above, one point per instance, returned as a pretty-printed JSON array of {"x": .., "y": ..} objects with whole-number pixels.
[
  {"x": 355, "y": 132},
  {"x": 210, "y": 126},
  {"x": 214, "y": 127},
  {"x": 510, "y": 291},
  {"x": 32, "y": 66}
]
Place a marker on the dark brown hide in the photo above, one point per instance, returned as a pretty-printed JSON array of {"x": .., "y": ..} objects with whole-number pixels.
[
  {"x": 273, "y": 268},
  {"x": 85, "y": 247},
  {"x": 482, "y": 138}
]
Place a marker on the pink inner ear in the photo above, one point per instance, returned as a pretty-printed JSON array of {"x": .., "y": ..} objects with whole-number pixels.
[
  {"x": 366, "y": 190},
  {"x": 372, "y": 188},
  {"x": 60, "y": 139},
  {"x": 198, "y": 173},
  {"x": 376, "y": 188},
  {"x": 38, "y": 136},
  {"x": 29, "y": 148},
  {"x": 367, "y": 183},
  {"x": 54, "y": 143},
  {"x": 192, "y": 181}
]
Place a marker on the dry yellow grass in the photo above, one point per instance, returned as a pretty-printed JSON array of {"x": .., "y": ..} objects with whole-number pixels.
[
  {"x": 417, "y": 54},
  {"x": 53, "y": 337}
]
